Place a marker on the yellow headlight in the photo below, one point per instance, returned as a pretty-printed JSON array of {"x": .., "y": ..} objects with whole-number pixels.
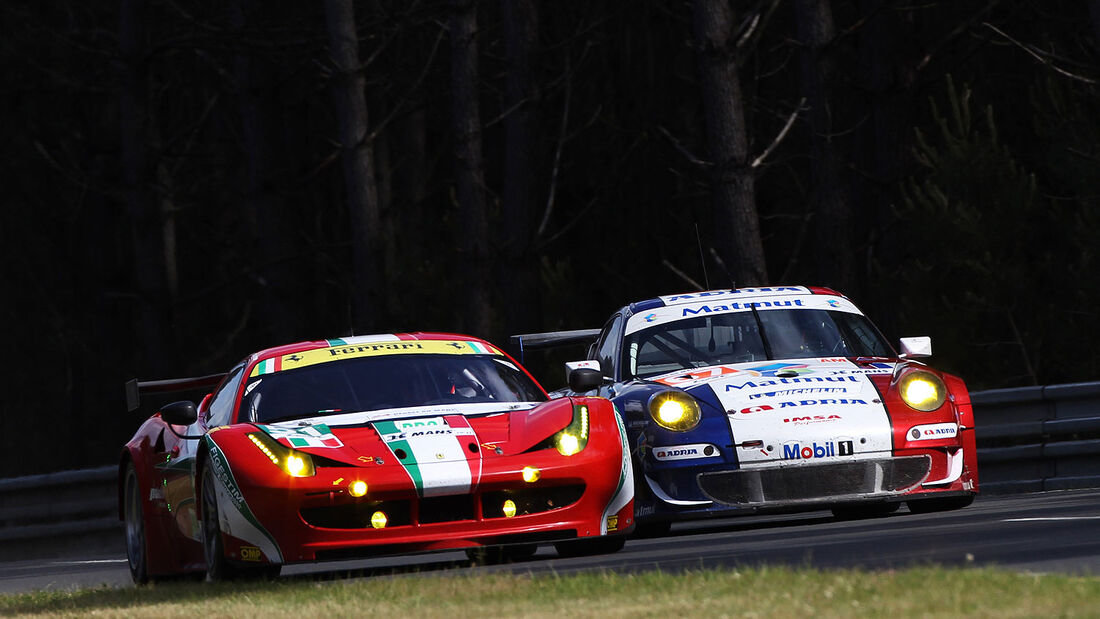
[
  {"x": 357, "y": 488},
  {"x": 509, "y": 508},
  {"x": 574, "y": 437},
  {"x": 675, "y": 410},
  {"x": 378, "y": 520},
  {"x": 531, "y": 474},
  {"x": 923, "y": 391},
  {"x": 294, "y": 463}
]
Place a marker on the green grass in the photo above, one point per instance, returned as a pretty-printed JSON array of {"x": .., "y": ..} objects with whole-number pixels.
[{"x": 770, "y": 593}]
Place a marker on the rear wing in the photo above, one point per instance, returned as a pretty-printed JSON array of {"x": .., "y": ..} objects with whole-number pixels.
[
  {"x": 135, "y": 387},
  {"x": 550, "y": 339}
]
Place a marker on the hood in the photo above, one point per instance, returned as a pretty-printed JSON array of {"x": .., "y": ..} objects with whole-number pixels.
[{"x": 799, "y": 410}]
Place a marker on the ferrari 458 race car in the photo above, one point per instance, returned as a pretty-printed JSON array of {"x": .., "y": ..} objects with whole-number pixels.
[
  {"x": 786, "y": 397},
  {"x": 367, "y": 446}
]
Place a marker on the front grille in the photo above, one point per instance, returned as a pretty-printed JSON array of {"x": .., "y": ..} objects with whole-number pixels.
[
  {"x": 446, "y": 509},
  {"x": 530, "y": 500},
  {"x": 356, "y": 514},
  {"x": 816, "y": 482}
]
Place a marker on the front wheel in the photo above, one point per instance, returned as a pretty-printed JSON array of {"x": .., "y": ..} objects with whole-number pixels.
[
  {"x": 137, "y": 550},
  {"x": 928, "y": 506},
  {"x": 217, "y": 567},
  {"x": 590, "y": 546}
]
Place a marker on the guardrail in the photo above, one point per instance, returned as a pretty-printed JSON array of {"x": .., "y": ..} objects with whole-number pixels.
[
  {"x": 1033, "y": 439},
  {"x": 1030, "y": 439}
]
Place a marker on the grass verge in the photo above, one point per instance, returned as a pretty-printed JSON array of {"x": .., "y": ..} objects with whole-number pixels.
[{"x": 765, "y": 592}]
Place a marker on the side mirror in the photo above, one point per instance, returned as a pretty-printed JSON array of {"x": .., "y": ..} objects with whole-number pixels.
[
  {"x": 585, "y": 379},
  {"x": 916, "y": 347},
  {"x": 179, "y": 413}
]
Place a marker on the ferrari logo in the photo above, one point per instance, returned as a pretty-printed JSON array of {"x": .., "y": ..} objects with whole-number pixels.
[{"x": 439, "y": 456}]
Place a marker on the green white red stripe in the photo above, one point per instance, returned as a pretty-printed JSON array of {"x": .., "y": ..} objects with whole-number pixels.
[
  {"x": 268, "y": 366},
  {"x": 433, "y": 452}
]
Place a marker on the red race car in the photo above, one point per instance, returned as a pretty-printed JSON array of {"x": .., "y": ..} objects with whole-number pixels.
[{"x": 367, "y": 446}]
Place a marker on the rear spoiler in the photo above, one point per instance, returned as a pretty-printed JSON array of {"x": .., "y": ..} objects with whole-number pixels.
[
  {"x": 550, "y": 339},
  {"x": 135, "y": 387}
]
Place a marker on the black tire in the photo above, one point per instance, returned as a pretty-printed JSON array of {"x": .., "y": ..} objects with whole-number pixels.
[
  {"x": 928, "y": 506},
  {"x": 860, "y": 511},
  {"x": 137, "y": 549},
  {"x": 217, "y": 566},
  {"x": 594, "y": 546},
  {"x": 493, "y": 555}
]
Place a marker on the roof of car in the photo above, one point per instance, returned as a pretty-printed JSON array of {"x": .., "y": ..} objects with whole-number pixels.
[{"x": 727, "y": 293}]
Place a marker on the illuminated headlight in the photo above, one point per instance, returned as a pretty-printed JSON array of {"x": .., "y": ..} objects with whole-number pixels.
[
  {"x": 509, "y": 508},
  {"x": 531, "y": 474},
  {"x": 675, "y": 410},
  {"x": 378, "y": 520},
  {"x": 574, "y": 437},
  {"x": 923, "y": 391},
  {"x": 357, "y": 488},
  {"x": 293, "y": 463}
]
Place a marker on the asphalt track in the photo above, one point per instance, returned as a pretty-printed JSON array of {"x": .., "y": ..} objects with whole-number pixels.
[{"x": 1045, "y": 532}]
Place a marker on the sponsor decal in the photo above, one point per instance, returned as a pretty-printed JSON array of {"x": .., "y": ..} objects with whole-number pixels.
[
  {"x": 706, "y": 309},
  {"x": 803, "y": 391},
  {"x": 933, "y": 431},
  {"x": 739, "y": 291},
  {"x": 250, "y": 553},
  {"x": 808, "y": 419},
  {"x": 612, "y": 523},
  {"x": 431, "y": 453},
  {"x": 792, "y": 381},
  {"x": 799, "y": 451},
  {"x": 772, "y": 369},
  {"x": 685, "y": 452},
  {"x": 235, "y": 514},
  {"x": 650, "y": 317},
  {"x": 833, "y": 303},
  {"x": 797, "y": 403},
  {"x": 344, "y": 350},
  {"x": 317, "y": 435},
  {"x": 694, "y": 375}
]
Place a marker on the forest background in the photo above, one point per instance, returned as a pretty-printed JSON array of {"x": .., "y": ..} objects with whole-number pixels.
[{"x": 187, "y": 182}]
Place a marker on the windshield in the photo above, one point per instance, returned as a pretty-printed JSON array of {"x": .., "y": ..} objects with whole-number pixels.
[
  {"x": 742, "y": 337},
  {"x": 382, "y": 382}
]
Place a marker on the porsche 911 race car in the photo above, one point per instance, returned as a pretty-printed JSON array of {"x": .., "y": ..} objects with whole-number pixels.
[
  {"x": 786, "y": 397},
  {"x": 367, "y": 446}
]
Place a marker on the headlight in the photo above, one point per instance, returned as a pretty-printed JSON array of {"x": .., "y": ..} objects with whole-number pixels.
[
  {"x": 923, "y": 391},
  {"x": 675, "y": 410},
  {"x": 294, "y": 463},
  {"x": 575, "y": 436}
]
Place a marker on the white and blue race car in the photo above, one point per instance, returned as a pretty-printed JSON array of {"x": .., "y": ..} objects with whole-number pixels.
[{"x": 744, "y": 400}]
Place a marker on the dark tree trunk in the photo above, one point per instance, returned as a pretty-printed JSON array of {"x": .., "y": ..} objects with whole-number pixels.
[
  {"x": 469, "y": 168},
  {"x": 736, "y": 223},
  {"x": 358, "y": 162},
  {"x": 153, "y": 292},
  {"x": 834, "y": 253},
  {"x": 888, "y": 53},
  {"x": 265, "y": 205},
  {"x": 519, "y": 267}
]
